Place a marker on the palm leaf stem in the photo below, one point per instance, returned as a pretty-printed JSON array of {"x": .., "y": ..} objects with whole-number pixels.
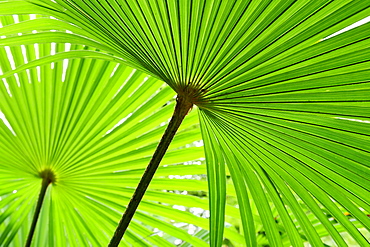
[
  {"x": 183, "y": 106},
  {"x": 48, "y": 177}
]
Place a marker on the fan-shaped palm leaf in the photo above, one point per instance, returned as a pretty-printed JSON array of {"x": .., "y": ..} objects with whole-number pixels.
[
  {"x": 94, "y": 125},
  {"x": 283, "y": 106}
]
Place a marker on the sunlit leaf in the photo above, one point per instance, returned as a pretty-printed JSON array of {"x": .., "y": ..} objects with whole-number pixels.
[{"x": 282, "y": 107}]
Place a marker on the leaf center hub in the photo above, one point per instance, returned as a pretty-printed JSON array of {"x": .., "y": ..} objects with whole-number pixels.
[{"x": 48, "y": 176}]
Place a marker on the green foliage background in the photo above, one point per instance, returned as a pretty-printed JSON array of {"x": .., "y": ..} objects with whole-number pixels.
[{"x": 283, "y": 111}]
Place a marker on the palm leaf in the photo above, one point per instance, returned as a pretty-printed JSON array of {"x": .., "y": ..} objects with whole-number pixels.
[
  {"x": 284, "y": 107},
  {"x": 94, "y": 123}
]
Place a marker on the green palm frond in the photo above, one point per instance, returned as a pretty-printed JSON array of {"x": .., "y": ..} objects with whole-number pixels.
[
  {"x": 94, "y": 124},
  {"x": 282, "y": 107}
]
